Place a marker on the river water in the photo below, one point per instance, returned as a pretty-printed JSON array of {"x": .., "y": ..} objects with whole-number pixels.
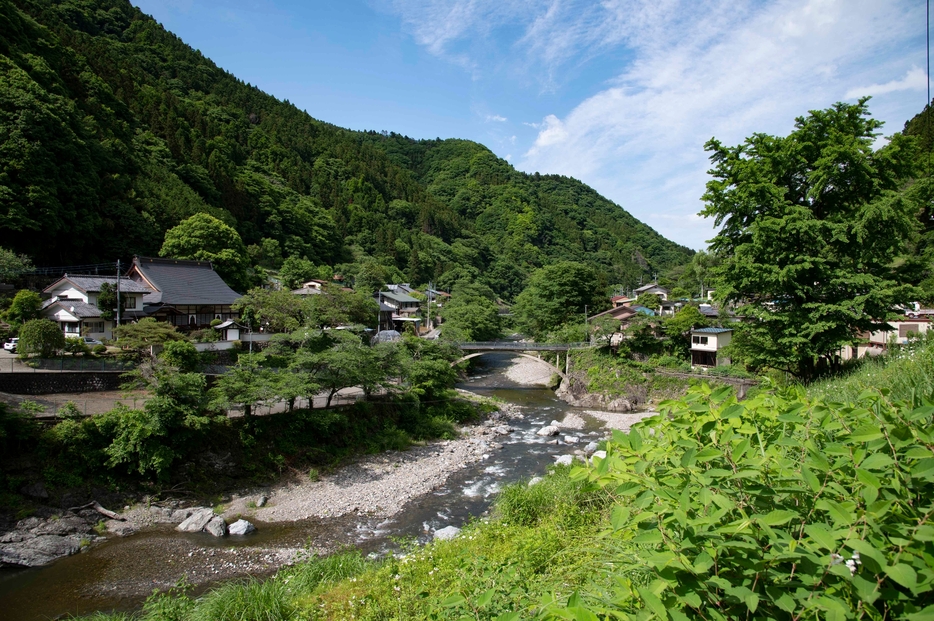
[{"x": 119, "y": 573}]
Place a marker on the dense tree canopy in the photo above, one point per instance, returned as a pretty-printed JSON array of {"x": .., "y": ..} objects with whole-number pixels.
[
  {"x": 810, "y": 225},
  {"x": 205, "y": 238},
  {"x": 114, "y": 132},
  {"x": 557, "y": 294}
]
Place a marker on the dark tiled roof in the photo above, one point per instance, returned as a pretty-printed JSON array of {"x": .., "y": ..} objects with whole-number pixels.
[
  {"x": 79, "y": 309},
  {"x": 181, "y": 282},
  {"x": 93, "y": 283},
  {"x": 649, "y": 286},
  {"x": 712, "y": 330}
]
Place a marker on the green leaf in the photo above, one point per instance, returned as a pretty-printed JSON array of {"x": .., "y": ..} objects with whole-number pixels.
[
  {"x": 649, "y": 536},
  {"x": 866, "y": 433},
  {"x": 752, "y": 602},
  {"x": 653, "y": 603},
  {"x": 619, "y": 518},
  {"x": 509, "y": 616},
  {"x": 776, "y": 517},
  {"x": 485, "y": 598},
  {"x": 867, "y": 590},
  {"x": 867, "y": 478},
  {"x": 924, "y": 469},
  {"x": 903, "y": 574},
  {"x": 925, "y": 614},
  {"x": 812, "y": 481},
  {"x": 453, "y": 600},
  {"x": 866, "y": 550},
  {"x": 635, "y": 440},
  {"x": 822, "y": 536},
  {"x": 877, "y": 461}
]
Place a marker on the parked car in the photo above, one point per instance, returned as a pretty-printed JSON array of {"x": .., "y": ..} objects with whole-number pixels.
[
  {"x": 10, "y": 345},
  {"x": 91, "y": 341}
]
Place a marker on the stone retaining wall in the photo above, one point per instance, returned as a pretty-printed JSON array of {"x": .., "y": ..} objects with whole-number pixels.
[{"x": 68, "y": 381}]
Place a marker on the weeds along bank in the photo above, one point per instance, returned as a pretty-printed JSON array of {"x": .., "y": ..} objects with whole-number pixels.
[
  {"x": 158, "y": 447},
  {"x": 782, "y": 506},
  {"x": 904, "y": 371}
]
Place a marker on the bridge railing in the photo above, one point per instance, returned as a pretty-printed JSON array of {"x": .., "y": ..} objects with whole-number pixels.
[{"x": 516, "y": 346}]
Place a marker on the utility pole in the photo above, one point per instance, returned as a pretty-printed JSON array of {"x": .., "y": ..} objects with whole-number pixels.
[
  {"x": 118, "y": 292},
  {"x": 429, "y": 306}
]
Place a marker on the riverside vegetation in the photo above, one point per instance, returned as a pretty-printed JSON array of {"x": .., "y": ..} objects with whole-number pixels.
[{"x": 789, "y": 505}]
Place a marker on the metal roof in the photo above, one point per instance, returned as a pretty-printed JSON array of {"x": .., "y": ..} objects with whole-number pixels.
[
  {"x": 397, "y": 297},
  {"x": 712, "y": 330},
  {"x": 182, "y": 282}
]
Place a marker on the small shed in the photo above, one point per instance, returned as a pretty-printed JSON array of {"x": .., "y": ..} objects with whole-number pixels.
[
  {"x": 706, "y": 344},
  {"x": 229, "y": 330}
]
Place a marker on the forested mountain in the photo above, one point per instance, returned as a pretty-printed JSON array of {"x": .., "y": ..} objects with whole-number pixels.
[{"x": 112, "y": 130}]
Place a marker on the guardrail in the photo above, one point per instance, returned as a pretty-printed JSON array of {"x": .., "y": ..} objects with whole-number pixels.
[{"x": 517, "y": 346}]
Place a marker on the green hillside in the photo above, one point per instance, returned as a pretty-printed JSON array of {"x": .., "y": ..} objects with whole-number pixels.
[{"x": 112, "y": 130}]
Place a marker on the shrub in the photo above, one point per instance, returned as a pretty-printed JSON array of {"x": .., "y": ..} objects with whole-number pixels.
[
  {"x": 778, "y": 507},
  {"x": 40, "y": 336},
  {"x": 216, "y": 322},
  {"x": 99, "y": 350},
  {"x": 75, "y": 345}
]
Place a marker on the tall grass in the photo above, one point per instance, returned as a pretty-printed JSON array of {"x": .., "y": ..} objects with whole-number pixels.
[{"x": 906, "y": 372}]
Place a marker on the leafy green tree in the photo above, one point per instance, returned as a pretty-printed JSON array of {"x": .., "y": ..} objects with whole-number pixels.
[
  {"x": 26, "y": 305},
  {"x": 246, "y": 384},
  {"x": 810, "y": 225},
  {"x": 295, "y": 271},
  {"x": 273, "y": 310},
  {"x": 336, "y": 307},
  {"x": 107, "y": 302},
  {"x": 12, "y": 264},
  {"x": 205, "y": 238},
  {"x": 181, "y": 355},
  {"x": 40, "y": 336},
  {"x": 678, "y": 329},
  {"x": 471, "y": 314},
  {"x": 557, "y": 294},
  {"x": 370, "y": 278},
  {"x": 649, "y": 300},
  {"x": 145, "y": 333}
]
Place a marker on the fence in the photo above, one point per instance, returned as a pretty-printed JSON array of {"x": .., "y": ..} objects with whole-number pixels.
[{"x": 12, "y": 364}]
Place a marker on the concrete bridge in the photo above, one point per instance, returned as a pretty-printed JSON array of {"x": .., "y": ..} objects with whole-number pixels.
[{"x": 522, "y": 349}]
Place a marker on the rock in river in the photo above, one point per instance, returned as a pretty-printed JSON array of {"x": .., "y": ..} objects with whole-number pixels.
[
  {"x": 216, "y": 526},
  {"x": 39, "y": 551},
  {"x": 550, "y": 430},
  {"x": 196, "y": 522},
  {"x": 241, "y": 527},
  {"x": 448, "y": 532}
]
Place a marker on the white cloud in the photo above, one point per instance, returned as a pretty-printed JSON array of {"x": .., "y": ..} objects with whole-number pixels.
[
  {"x": 685, "y": 72},
  {"x": 914, "y": 80},
  {"x": 496, "y": 118}
]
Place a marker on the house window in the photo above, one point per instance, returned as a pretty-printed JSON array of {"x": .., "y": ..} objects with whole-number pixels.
[
  {"x": 192, "y": 320},
  {"x": 130, "y": 301},
  {"x": 908, "y": 328},
  {"x": 94, "y": 326},
  {"x": 699, "y": 340},
  {"x": 70, "y": 328}
]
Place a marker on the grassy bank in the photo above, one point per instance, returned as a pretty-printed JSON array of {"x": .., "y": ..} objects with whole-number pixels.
[{"x": 904, "y": 372}]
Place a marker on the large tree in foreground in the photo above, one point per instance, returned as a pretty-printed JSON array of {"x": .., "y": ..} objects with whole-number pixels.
[{"x": 810, "y": 225}]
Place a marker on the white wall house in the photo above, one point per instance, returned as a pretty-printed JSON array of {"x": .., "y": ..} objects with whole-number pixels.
[
  {"x": 72, "y": 304},
  {"x": 661, "y": 292},
  {"x": 875, "y": 343},
  {"x": 706, "y": 344}
]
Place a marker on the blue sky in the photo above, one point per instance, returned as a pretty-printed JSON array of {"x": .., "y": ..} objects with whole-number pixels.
[{"x": 621, "y": 94}]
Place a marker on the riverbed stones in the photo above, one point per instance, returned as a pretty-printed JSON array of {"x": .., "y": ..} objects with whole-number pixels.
[
  {"x": 448, "y": 532},
  {"x": 121, "y": 529},
  {"x": 591, "y": 448},
  {"x": 571, "y": 439},
  {"x": 535, "y": 481},
  {"x": 196, "y": 522},
  {"x": 216, "y": 526},
  {"x": 261, "y": 501},
  {"x": 39, "y": 551},
  {"x": 564, "y": 460},
  {"x": 548, "y": 430},
  {"x": 241, "y": 527},
  {"x": 503, "y": 430}
]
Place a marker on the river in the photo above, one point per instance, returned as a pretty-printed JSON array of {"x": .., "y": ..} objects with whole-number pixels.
[{"x": 119, "y": 573}]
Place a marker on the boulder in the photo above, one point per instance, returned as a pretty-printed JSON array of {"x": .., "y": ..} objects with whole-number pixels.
[
  {"x": 564, "y": 460},
  {"x": 591, "y": 448},
  {"x": 39, "y": 551},
  {"x": 262, "y": 501},
  {"x": 216, "y": 526},
  {"x": 121, "y": 529},
  {"x": 598, "y": 455},
  {"x": 502, "y": 430},
  {"x": 535, "y": 481},
  {"x": 66, "y": 525},
  {"x": 164, "y": 515},
  {"x": 571, "y": 439},
  {"x": 196, "y": 522},
  {"x": 180, "y": 515},
  {"x": 448, "y": 532},
  {"x": 550, "y": 430},
  {"x": 241, "y": 527}
]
